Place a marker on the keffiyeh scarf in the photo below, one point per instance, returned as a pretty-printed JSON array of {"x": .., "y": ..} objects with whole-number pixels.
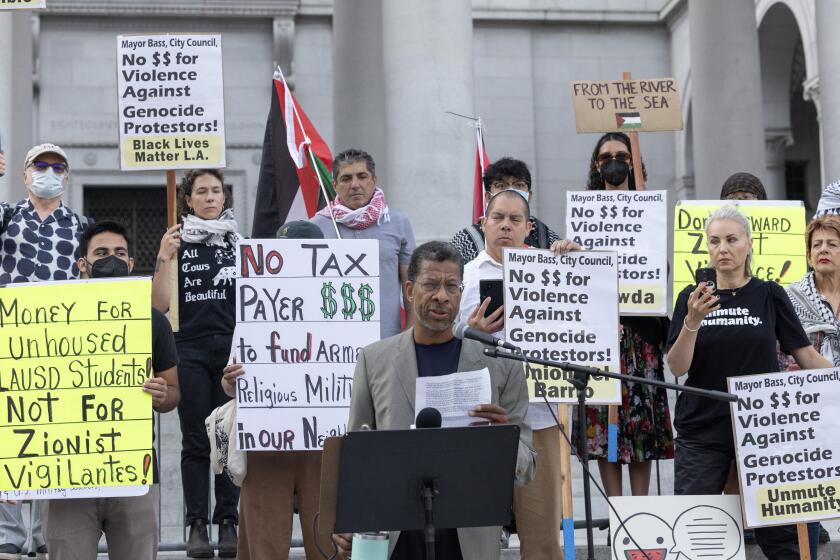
[
  {"x": 373, "y": 213},
  {"x": 829, "y": 201},
  {"x": 210, "y": 232},
  {"x": 816, "y": 317}
]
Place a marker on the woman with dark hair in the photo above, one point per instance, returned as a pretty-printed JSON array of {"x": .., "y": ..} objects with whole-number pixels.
[
  {"x": 204, "y": 244},
  {"x": 644, "y": 422}
]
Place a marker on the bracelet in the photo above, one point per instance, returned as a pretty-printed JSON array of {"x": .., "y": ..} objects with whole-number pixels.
[{"x": 689, "y": 329}]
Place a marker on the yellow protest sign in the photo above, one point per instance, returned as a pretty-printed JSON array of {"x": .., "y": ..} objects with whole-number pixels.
[
  {"x": 778, "y": 233},
  {"x": 73, "y": 359},
  {"x": 23, "y": 4}
]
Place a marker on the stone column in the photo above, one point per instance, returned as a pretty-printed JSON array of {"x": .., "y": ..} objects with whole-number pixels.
[
  {"x": 828, "y": 43},
  {"x": 358, "y": 80},
  {"x": 427, "y": 53},
  {"x": 16, "y": 95},
  {"x": 726, "y": 93}
]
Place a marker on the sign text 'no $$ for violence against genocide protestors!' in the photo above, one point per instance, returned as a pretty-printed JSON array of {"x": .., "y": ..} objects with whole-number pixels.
[
  {"x": 634, "y": 223},
  {"x": 627, "y": 105},
  {"x": 22, "y": 4},
  {"x": 785, "y": 426},
  {"x": 171, "y": 101},
  {"x": 304, "y": 310},
  {"x": 778, "y": 236},
  {"x": 564, "y": 309},
  {"x": 73, "y": 359}
]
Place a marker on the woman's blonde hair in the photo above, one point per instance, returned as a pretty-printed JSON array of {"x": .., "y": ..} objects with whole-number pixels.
[{"x": 730, "y": 212}]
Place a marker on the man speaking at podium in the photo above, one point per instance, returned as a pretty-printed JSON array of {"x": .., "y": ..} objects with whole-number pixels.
[{"x": 385, "y": 382}]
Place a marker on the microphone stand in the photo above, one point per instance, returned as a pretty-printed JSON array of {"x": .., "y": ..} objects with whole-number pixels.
[{"x": 580, "y": 380}]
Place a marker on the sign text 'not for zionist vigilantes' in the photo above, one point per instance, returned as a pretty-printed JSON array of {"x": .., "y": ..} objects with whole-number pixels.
[
  {"x": 73, "y": 360},
  {"x": 304, "y": 310},
  {"x": 171, "y": 102}
]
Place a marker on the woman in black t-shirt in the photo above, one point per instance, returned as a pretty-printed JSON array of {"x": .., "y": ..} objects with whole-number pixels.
[
  {"x": 722, "y": 333},
  {"x": 204, "y": 245}
]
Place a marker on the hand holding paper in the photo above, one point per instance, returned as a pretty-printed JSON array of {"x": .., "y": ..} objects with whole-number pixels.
[{"x": 457, "y": 396}]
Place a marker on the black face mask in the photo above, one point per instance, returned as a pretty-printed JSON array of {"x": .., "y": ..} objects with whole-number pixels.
[
  {"x": 108, "y": 267},
  {"x": 615, "y": 171}
]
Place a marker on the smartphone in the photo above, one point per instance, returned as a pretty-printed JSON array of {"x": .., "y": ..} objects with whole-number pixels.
[
  {"x": 491, "y": 289},
  {"x": 706, "y": 276}
]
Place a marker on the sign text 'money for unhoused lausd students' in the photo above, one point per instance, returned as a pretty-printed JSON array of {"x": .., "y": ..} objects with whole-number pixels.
[
  {"x": 786, "y": 427},
  {"x": 627, "y": 105},
  {"x": 73, "y": 359},
  {"x": 171, "y": 101},
  {"x": 564, "y": 309},
  {"x": 304, "y": 310},
  {"x": 634, "y": 223},
  {"x": 777, "y": 231}
]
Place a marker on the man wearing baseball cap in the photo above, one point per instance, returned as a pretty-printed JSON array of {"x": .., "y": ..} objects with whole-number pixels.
[{"x": 39, "y": 241}]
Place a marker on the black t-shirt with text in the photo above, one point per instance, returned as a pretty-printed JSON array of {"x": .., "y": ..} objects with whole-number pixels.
[
  {"x": 206, "y": 298},
  {"x": 738, "y": 339},
  {"x": 164, "y": 357}
]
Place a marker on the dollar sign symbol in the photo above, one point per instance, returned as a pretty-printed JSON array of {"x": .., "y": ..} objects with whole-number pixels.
[
  {"x": 604, "y": 212},
  {"x": 614, "y": 211},
  {"x": 349, "y": 303},
  {"x": 330, "y": 307},
  {"x": 366, "y": 305},
  {"x": 156, "y": 58},
  {"x": 166, "y": 58}
]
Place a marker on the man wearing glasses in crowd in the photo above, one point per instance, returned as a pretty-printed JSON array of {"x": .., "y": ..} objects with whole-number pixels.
[
  {"x": 39, "y": 241},
  {"x": 504, "y": 174}
]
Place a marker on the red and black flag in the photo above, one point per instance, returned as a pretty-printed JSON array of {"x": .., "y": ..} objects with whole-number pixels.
[{"x": 295, "y": 179}]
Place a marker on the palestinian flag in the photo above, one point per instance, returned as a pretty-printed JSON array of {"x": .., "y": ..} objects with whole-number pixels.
[
  {"x": 295, "y": 163},
  {"x": 628, "y": 120},
  {"x": 481, "y": 163}
]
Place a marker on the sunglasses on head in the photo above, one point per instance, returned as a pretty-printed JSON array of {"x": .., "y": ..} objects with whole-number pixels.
[{"x": 59, "y": 168}]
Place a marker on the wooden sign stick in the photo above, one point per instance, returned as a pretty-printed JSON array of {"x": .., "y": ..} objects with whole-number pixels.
[
  {"x": 638, "y": 175},
  {"x": 804, "y": 545},
  {"x": 566, "y": 481},
  {"x": 171, "y": 220}
]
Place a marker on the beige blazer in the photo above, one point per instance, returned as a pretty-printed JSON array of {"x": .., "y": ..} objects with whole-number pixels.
[{"x": 384, "y": 386}]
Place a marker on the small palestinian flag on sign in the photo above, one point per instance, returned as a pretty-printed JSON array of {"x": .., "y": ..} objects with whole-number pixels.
[{"x": 628, "y": 120}]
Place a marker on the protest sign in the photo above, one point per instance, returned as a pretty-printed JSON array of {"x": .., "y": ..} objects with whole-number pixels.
[
  {"x": 304, "y": 310},
  {"x": 171, "y": 102},
  {"x": 23, "y": 4},
  {"x": 564, "y": 308},
  {"x": 73, "y": 359},
  {"x": 627, "y": 105},
  {"x": 634, "y": 223},
  {"x": 786, "y": 427},
  {"x": 778, "y": 234},
  {"x": 671, "y": 527}
]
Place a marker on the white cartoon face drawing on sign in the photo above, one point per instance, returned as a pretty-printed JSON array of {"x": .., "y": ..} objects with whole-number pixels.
[{"x": 652, "y": 535}]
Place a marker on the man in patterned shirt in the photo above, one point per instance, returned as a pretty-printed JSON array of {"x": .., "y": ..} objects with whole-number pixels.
[
  {"x": 502, "y": 175},
  {"x": 39, "y": 240}
]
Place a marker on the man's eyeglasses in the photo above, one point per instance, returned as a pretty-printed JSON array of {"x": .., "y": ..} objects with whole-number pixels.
[
  {"x": 452, "y": 288},
  {"x": 59, "y": 168},
  {"x": 621, "y": 156},
  {"x": 502, "y": 186}
]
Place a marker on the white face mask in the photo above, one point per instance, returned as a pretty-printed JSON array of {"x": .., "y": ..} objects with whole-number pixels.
[
  {"x": 46, "y": 184},
  {"x": 523, "y": 194}
]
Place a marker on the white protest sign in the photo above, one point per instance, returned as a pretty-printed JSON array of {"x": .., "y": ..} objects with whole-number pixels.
[
  {"x": 74, "y": 493},
  {"x": 23, "y": 4},
  {"x": 786, "y": 427},
  {"x": 674, "y": 527},
  {"x": 454, "y": 395},
  {"x": 634, "y": 223},
  {"x": 565, "y": 309},
  {"x": 304, "y": 310},
  {"x": 171, "y": 101}
]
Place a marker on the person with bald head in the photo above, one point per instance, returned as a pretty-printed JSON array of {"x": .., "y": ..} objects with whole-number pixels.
[{"x": 537, "y": 506}]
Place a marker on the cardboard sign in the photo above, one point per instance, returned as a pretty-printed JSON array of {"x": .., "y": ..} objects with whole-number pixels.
[
  {"x": 565, "y": 309},
  {"x": 627, "y": 105},
  {"x": 171, "y": 102},
  {"x": 73, "y": 359},
  {"x": 786, "y": 427},
  {"x": 304, "y": 310},
  {"x": 674, "y": 527},
  {"x": 777, "y": 230},
  {"x": 634, "y": 223},
  {"x": 23, "y": 4}
]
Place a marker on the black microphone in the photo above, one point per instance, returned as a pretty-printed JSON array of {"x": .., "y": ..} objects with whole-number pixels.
[
  {"x": 428, "y": 418},
  {"x": 462, "y": 330}
]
